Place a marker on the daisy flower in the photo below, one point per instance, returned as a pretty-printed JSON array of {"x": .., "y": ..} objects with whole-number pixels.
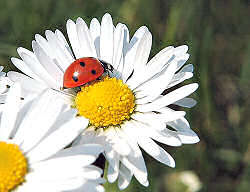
[
  {"x": 126, "y": 109},
  {"x": 33, "y": 136}
]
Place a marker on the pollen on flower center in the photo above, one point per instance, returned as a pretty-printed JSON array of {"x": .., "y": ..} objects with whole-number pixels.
[
  {"x": 106, "y": 102},
  {"x": 13, "y": 167}
]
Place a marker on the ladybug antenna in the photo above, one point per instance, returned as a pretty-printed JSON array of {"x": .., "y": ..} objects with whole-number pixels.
[{"x": 107, "y": 66}]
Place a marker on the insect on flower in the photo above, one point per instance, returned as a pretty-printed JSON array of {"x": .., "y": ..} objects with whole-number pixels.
[{"x": 84, "y": 70}]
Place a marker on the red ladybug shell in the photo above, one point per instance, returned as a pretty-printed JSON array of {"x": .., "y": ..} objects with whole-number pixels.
[{"x": 82, "y": 71}]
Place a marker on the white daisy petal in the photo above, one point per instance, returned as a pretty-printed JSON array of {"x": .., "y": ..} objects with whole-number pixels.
[
  {"x": 113, "y": 170},
  {"x": 153, "y": 88},
  {"x": 130, "y": 58},
  {"x": 124, "y": 177},
  {"x": 161, "y": 135},
  {"x": 43, "y": 43},
  {"x": 178, "y": 78},
  {"x": 2, "y": 99},
  {"x": 25, "y": 107},
  {"x": 189, "y": 137},
  {"x": 168, "y": 115},
  {"x": 86, "y": 149},
  {"x": 188, "y": 68},
  {"x": 65, "y": 46},
  {"x": 180, "y": 124},
  {"x": 158, "y": 63},
  {"x": 52, "y": 170},
  {"x": 149, "y": 118},
  {"x": 156, "y": 151},
  {"x": 182, "y": 60},
  {"x": 10, "y": 110},
  {"x": 60, "y": 50},
  {"x": 110, "y": 155},
  {"x": 47, "y": 63},
  {"x": 181, "y": 49},
  {"x": 138, "y": 168},
  {"x": 2, "y": 74},
  {"x": 68, "y": 184},
  {"x": 185, "y": 133},
  {"x": 90, "y": 187},
  {"x": 118, "y": 45},
  {"x": 169, "y": 98},
  {"x": 161, "y": 59},
  {"x": 42, "y": 115},
  {"x": 45, "y": 148},
  {"x": 75, "y": 162},
  {"x": 86, "y": 44},
  {"x": 142, "y": 54},
  {"x": 107, "y": 39},
  {"x": 125, "y": 40},
  {"x": 93, "y": 172},
  {"x": 186, "y": 102},
  {"x": 28, "y": 85},
  {"x": 34, "y": 65},
  {"x": 24, "y": 68},
  {"x": 51, "y": 186},
  {"x": 73, "y": 38},
  {"x": 134, "y": 161},
  {"x": 95, "y": 31},
  {"x": 118, "y": 143}
]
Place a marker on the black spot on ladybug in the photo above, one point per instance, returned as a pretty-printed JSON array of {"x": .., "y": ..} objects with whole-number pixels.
[
  {"x": 82, "y": 64},
  {"x": 93, "y": 72},
  {"x": 75, "y": 78}
]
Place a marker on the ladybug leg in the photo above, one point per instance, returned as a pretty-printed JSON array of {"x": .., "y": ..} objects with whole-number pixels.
[
  {"x": 107, "y": 66},
  {"x": 77, "y": 89}
]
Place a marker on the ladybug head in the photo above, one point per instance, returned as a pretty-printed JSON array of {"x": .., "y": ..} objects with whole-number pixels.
[{"x": 107, "y": 67}]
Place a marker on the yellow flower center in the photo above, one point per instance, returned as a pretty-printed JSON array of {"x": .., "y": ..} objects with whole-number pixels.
[
  {"x": 105, "y": 102},
  {"x": 13, "y": 167}
]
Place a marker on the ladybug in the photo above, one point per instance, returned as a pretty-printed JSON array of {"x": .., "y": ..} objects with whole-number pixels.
[{"x": 84, "y": 70}]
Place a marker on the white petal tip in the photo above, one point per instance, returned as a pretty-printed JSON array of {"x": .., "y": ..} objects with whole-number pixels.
[
  {"x": 100, "y": 188},
  {"x": 79, "y": 19},
  {"x": 37, "y": 36},
  {"x": 194, "y": 140},
  {"x": 107, "y": 15},
  {"x": 123, "y": 185},
  {"x": 111, "y": 178},
  {"x": 143, "y": 28},
  {"x": 94, "y": 20},
  {"x": 34, "y": 43},
  {"x": 189, "y": 139},
  {"x": 172, "y": 164},
  {"x": 184, "y": 47},
  {"x": 193, "y": 104},
  {"x": 13, "y": 59},
  {"x": 69, "y": 22},
  {"x": 195, "y": 86},
  {"x": 19, "y": 49},
  {"x": 146, "y": 183},
  {"x": 47, "y": 32}
]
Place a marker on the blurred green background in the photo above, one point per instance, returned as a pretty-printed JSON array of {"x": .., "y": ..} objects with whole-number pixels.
[{"x": 218, "y": 34}]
